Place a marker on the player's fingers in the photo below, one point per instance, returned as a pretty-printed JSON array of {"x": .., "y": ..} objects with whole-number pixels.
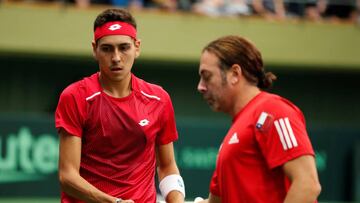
[{"x": 127, "y": 201}]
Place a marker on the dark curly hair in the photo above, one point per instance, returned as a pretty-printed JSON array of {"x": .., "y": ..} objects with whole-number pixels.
[{"x": 114, "y": 14}]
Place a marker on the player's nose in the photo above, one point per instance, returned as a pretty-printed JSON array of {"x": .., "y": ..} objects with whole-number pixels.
[
  {"x": 116, "y": 56},
  {"x": 201, "y": 87}
]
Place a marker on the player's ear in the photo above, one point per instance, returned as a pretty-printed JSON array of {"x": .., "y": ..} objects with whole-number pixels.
[
  {"x": 137, "y": 44},
  {"x": 235, "y": 73},
  {"x": 94, "y": 45}
]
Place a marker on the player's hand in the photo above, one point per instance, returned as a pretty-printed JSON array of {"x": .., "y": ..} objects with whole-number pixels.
[{"x": 118, "y": 200}]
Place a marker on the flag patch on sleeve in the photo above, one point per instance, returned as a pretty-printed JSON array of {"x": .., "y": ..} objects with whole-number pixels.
[{"x": 264, "y": 121}]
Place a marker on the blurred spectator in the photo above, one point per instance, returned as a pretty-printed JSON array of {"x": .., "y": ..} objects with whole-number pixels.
[
  {"x": 168, "y": 5},
  {"x": 314, "y": 10},
  {"x": 270, "y": 9},
  {"x": 185, "y": 5},
  {"x": 308, "y": 9},
  {"x": 358, "y": 11},
  {"x": 131, "y": 4},
  {"x": 221, "y": 7},
  {"x": 341, "y": 10}
]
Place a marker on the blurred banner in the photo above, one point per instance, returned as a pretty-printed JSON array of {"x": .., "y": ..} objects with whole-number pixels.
[{"x": 29, "y": 157}]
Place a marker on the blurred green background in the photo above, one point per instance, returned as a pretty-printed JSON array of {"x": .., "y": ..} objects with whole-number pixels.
[{"x": 45, "y": 48}]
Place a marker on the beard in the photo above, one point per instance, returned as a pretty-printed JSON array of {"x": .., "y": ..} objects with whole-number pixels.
[{"x": 212, "y": 102}]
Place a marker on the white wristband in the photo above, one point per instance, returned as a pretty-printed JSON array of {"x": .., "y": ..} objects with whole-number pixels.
[
  {"x": 198, "y": 199},
  {"x": 170, "y": 183}
]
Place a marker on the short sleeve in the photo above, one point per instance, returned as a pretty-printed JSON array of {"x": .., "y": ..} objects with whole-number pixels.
[
  {"x": 281, "y": 133},
  {"x": 69, "y": 111},
  {"x": 168, "y": 132},
  {"x": 214, "y": 184}
]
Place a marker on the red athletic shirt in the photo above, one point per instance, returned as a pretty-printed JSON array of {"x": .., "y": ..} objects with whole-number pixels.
[
  {"x": 118, "y": 135},
  {"x": 265, "y": 134}
]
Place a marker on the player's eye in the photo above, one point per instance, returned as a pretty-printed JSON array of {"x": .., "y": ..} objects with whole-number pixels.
[
  {"x": 106, "y": 49},
  {"x": 124, "y": 47},
  {"x": 206, "y": 77}
]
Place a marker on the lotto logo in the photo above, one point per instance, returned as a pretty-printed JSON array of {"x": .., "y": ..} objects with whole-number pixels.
[
  {"x": 114, "y": 27},
  {"x": 144, "y": 122}
]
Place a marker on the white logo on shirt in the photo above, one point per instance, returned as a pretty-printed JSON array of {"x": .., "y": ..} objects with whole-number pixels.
[
  {"x": 114, "y": 27},
  {"x": 144, "y": 122},
  {"x": 234, "y": 139},
  {"x": 286, "y": 134}
]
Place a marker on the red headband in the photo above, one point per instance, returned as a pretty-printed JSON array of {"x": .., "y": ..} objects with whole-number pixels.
[{"x": 115, "y": 28}]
